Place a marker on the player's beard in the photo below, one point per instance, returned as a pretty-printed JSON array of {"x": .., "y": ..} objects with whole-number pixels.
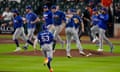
[
  {"x": 103, "y": 12},
  {"x": 27, "y": 11},
  {"x": 14, "y": 15}
]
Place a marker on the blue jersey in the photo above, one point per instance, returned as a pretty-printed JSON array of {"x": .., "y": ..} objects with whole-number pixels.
[
  {"x": 17, "y": 22},
  {"x": 78, "y": 19},
  {"x": 103, "y": 18},
  {"x": 30, "y": 18},
  {"x": 70, "y": 23},
  {"x": 48, "y": 16},
  {"x": 95, "y": 20},
  {"x": 45, "y": 37},
  {"x": 58, "y": 17}
]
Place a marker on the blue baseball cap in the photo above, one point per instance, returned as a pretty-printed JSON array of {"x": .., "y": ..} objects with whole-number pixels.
[
  {"x": 28, "y": 7},
  {"x": 53, "y": 7},
  {"x": 104, "y": 9},
  {"x": 45, "y": 6},
  {"x": 15, "y": 11},
  {"x": 94, "y": 9},
  {"x": 72, "y": 10}
]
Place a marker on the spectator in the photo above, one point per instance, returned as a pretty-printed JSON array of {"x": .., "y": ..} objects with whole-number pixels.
[{"x": 7, "y": 15}]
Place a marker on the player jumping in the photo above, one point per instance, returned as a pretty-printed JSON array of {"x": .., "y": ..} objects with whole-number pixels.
[
  {"x": 71, "y": 32},
  {"x": 103, "y": 18},
  {"x": 59, "y": 23},
  {"x": 94, "y": 28}
]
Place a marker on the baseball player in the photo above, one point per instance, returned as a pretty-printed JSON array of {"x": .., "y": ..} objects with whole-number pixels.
[
  {"x": 48, "y": 18},
  {"x": 78, "y": 22},
  {"x": 59, "y": 23},
  {"x": 103, "y": 18},
  {"x": 19, "y": 30},
  {"x": 45, "y": 39},
  {"x": 71, "y": 32},
  {"x": 94, "y": 28},
  {"x": 48, "y": 21},
  {"x": 68, "y": 15},
  {"x": 31, "y": 19}
]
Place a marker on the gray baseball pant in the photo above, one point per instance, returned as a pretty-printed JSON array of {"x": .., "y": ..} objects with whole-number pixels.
[
  {"x": 71, "y": 32},
  {"x": 102, "y": 37},
  {"x": 19, "y": 32}
]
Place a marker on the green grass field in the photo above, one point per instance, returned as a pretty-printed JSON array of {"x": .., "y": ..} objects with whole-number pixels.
[{"x": 10, "y": 63}]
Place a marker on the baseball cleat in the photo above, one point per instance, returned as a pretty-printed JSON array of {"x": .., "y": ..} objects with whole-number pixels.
[
  {"x": 45, "y": 61},
  {"x": 25, "y": 47},
  {"x": 17, "y": 49},
  {"x": 89, "y": 54},
  {"x": 94, "y": 40},
  {"x": 100, "y": 50},
  {"x": 69, "y": 56},
  {"x": 51, "y": 70},
  {"x": 82, "y": 53}
]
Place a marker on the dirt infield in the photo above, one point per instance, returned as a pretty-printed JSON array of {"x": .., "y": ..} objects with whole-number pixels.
[
  {"x": 62, "y": 53},
  {"x": 10, "y": 41}
]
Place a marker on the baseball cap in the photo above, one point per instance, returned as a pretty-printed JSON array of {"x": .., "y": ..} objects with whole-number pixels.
[
  {"x": 45, "y": 6},
  {"x": 104, "y": 9},
  {"x": 28, "y": 7},
  {"x": 94, "y": 9},
  {"x": 15, "y": 11},
  {"x": 53, "y": 7},
  {"x": 72, "y": 10}
]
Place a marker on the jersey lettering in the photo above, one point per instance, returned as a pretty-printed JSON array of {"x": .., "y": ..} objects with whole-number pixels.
[{"x": 45, "y": 38}]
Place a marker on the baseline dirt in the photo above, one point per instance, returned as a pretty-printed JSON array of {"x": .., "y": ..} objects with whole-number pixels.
[
  {"x": 10, "y": 41},
  {"x": 62, "y": 53}
]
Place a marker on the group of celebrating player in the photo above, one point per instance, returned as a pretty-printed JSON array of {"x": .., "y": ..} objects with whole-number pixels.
[{"x": 54, "y": 21}]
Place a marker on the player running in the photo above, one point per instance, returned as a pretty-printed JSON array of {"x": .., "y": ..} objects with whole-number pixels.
[
  {"x": 31, "y": 19},
  {"x": 71, "y": 32},
  {"x": 59, "y": 23},
  {"x": 103, "y": 18},
  {"x": 94, "y": 28},
  {"x": 48, "y": 21},
  {"x": 48, "y": 18},
  {"x": 19, "y": 30},
  {"x": 45, "y": 39}
]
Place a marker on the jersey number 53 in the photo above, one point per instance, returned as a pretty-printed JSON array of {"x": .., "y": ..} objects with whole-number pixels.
[{"x": 45, "y": 38}]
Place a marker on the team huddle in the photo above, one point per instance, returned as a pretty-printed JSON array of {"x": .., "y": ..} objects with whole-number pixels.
[{"x": 54, "y": 21}]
